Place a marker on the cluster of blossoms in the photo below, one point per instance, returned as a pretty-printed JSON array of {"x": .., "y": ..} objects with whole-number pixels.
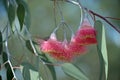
[{"x": 65, "y": 51}]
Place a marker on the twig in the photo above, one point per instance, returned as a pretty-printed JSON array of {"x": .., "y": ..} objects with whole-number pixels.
[
  {"x": 95, "y": 14},
  {"x": 113, "y": 18},
  {"x": 3, "y": 65},
  {"x": 8, "y": 54},
  {"x": 81, "y": 9}
]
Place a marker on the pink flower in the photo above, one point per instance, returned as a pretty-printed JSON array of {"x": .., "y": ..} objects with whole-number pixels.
[
  {"x": 56, "y": 49},
  {"x": 86, "y": 35},
  {"x": 65, "y": 51},
  {"x": 51, "y": 46},
  {"x": 76, "y": 49}
]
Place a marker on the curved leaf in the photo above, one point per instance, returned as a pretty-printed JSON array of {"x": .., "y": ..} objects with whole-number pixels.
[
  {"x": 21, "y": 15},
  {"x": 29, "y": 66},
  {"x": 11, "y": 11},
  {"x": 73, "y": 71},
  {"x": 102, "y": 48},
  {"x": 1, "y": 45},
  {"x": 5, "y": 57},
  {"x": 28, "y": 45},
  {"x": 9, "y": 72},
  {"x": 18, "y": 74},
  {"x": 52, "y": 70},
  {"x": 0, "y": 77},
  {"x": 27, "y": 17},
  {"x": 44, "y": 72},
  {"x": 26, "y": 73}
]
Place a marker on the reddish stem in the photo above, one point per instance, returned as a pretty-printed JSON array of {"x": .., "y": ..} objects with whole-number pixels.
[
  {"x": 116, "y": 28},
  {"x": 113, "y": 18}
]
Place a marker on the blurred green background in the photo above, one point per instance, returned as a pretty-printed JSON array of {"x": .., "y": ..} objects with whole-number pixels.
[{"x": 42, "y": 25}]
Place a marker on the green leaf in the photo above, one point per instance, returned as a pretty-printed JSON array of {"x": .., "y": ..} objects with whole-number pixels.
[
  {"x": 6, "y": 4},
  {"x": 9, "y": 72},
  {"x": 73, "y": 71},
  {"x": 18, "y": 74},
  {"x": 49, "y": 65},
  {"x": 34, "y": 75},
  {"x": 0, "y": 78},
  {"x": 1, "y": 44},
  {"x": 102, "y": 48},
  {"x": 11, "y": 11},
  {"x": 29, "y": 66},
  {"x": 28, "y": 45},
  {"x": 21, "y": 14},
  {"x": 45, "y": 72},
  {"x": 5, "y": 56},
  {"x": 3, "y": 74},
  {"x": 52, "y": 70},
  {"x": 27, "y": 17},
  {"x": 26, "y": 73}
]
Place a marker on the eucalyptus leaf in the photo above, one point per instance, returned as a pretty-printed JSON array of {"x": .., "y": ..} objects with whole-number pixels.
[
  {"x": 52, "y": 70},
  {"x": 3, "y": 73},
  {"x": 50, "y": 67},
  {"x": 18, "y": 74},
  {"x": 9, "y": 72},
  {"x": 44, "y": 72},
  {"x": 26, "y": 73},
  {"x": 34, "y": 75},
  {"x": 21, "y": 14},
  {"x": 5, "y": 56},
  {"x": 102, "y": 48},
  {"x": 29, "y": 66},
  {"x": 28, "y": 45},
  {"x": 73, "y": 71},
  {"x": 1, "y": 44},
  {"x": 11, "y": 11},
  {"x": 0, "y": 77},
  {"x": 27, "y": 17},
  {"x": 6, "y": 4}
]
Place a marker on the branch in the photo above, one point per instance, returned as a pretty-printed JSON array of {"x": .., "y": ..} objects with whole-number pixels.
[
  {"x": 113, "y": 18},
  {"x": 104, "y": 18},
  {"x": 95, "y": 14}
]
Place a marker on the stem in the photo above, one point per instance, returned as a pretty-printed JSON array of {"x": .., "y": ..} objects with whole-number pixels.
[
  {"x": 14, "y": 77},
  {"x": 113, "y": 18},
  {"x": 95, "y": 14},
  {"x": 81, "y": 8},
  {"x": 54, "y": 10},
  {"x": 61, "y": 14},
  {"x": 8, "y": 54},
  {"x": 32, "y": 45}
]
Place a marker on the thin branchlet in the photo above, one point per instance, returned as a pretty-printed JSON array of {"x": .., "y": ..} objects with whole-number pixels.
[
  {"x": 100, "y": 16},
  {"x": 94, "y": 14}
]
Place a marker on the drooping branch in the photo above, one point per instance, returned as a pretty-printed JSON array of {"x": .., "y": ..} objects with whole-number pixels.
[
  {"x": 113, "y": 18},
  {"x": 96, "y": 14},
  {"x": 104, "y": 18}
]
